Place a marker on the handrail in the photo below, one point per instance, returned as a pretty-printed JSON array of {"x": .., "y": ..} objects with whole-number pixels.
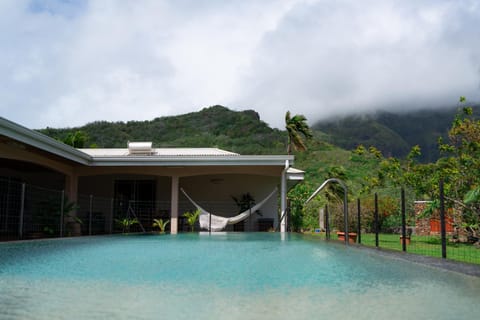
[{"x": 345, "y": 201}]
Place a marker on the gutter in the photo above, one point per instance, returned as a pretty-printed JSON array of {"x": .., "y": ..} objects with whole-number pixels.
[{"x": 234, "y": 160}]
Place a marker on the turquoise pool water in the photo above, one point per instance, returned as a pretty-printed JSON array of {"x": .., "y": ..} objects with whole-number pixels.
[{"x": 228, "y": 276}]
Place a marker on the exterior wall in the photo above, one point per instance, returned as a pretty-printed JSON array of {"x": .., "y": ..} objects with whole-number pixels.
[
  {"x": 32, "y": 174},
  {"x": 104, "y": 185},
  {"x": 422, "y": 225},
  {"x": 101, "y": 186},
  {"x": 431, "y": 225},
  {"x": 36, "y": 167}
]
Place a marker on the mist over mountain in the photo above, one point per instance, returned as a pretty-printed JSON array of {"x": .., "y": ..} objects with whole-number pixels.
[{"x": 392, "y": 133}]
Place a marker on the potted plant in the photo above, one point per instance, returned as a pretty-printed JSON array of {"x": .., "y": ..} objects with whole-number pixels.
[
  {"x": 160, "y": 224},
  {"x": 408, "y": 235},
  {"x": 244, "y": 203},
  {"x": 126, "y": 223},
  {"x": 192, "y": 218},
  {"x": 352, "y": 236},
  {"x": 47, "y": 218}
]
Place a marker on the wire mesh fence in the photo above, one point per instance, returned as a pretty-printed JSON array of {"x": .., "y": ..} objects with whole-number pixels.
[
  {"x": 10, "y": 208},
  {"x": 398, "y": 222},
  {"x": 29, "y": 212}
]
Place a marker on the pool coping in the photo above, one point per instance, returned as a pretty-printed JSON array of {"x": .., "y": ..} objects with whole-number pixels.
[
  {"x": 434, "y": 262},
  {"x": 464, "y": 268}
]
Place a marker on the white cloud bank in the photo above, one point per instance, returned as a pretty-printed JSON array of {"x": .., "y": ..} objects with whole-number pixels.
[{"x": 66, "y": 63}]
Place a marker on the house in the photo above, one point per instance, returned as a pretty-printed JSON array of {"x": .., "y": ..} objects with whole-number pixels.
[{"x": 138, "y": 180}]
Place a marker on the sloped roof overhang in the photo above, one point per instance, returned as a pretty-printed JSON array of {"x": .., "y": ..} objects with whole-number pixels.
[{"x": 40, "y": 141}]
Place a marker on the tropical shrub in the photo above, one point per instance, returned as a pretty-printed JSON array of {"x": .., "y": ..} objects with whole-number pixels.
[
  {"x": 160, "y": 224},
  {"x": 126, "y": 223},
  {"x": 192, "y": 218}
]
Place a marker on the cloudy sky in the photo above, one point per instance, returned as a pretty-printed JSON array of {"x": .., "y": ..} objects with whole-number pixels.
[{"x": 69, "y": 62}]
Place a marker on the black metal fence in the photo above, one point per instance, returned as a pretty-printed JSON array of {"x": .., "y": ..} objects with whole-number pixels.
[
  {"x": 400, "y": 223},
  {"x": 29, "y": 212}
]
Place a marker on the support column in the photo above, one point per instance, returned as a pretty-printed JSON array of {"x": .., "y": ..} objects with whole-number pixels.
[
  {"x": 174, "y": 206},
  {"x": 283, "y": 198},
  {"x": 71, "y": 187}
]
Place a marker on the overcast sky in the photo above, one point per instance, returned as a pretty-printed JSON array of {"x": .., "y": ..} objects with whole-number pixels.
[{"x": 64, "y": 63}]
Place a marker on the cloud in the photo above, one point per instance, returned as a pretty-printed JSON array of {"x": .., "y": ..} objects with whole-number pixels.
[
  {"x": 65, "y": 63},
  {"x": 352, "y": 56}
]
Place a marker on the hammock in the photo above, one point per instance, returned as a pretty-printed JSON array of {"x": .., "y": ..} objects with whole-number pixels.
[{"x": 219, "y": 223}]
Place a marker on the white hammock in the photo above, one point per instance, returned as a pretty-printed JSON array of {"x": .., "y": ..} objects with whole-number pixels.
[{"x": 219, "y": 223}]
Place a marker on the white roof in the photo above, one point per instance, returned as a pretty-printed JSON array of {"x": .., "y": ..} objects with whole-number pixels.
[{"x": 159, "y": 152}]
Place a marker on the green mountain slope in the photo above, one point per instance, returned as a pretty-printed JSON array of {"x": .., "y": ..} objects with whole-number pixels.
[{"x": 216, "y": 126}]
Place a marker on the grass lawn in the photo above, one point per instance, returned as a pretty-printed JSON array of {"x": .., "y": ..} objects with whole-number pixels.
[{"x": 424, "y": 245}]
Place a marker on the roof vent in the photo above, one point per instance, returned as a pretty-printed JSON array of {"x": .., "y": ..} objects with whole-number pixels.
[{"x": 144, "y": 148}]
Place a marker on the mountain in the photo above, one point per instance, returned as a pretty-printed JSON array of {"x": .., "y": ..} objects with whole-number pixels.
[
  {"x": 392, "y": 133},
  {"x": 238, "y": 131},
  {"x": 244, "y": 132},
  {"x": 352, "y": 131}
]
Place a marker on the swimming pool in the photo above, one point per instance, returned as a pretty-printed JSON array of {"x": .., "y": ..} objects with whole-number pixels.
[{"x": 226, "y": 276}]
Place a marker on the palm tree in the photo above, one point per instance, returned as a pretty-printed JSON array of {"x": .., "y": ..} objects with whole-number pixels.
[{"x": 297, "y": 129}]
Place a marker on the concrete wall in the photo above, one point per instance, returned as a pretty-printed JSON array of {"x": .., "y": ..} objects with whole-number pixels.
[{"x": 104, "y": 185}]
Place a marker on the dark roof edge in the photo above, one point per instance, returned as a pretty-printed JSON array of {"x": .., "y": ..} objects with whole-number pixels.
[{"x": 38, "y": 140}]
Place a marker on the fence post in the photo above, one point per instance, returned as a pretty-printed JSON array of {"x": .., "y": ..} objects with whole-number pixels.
[
  {"x": 327, "y": 223},
  {"x": 359, "y": 222},
  {"x": 22, "y": 211},
  {"x": 61, "y": 212},
  {"x": 442, "y": 221},
  {"x": 90, "y": 216},
  {"x": 289, "y": 215},
  {"x": 376, "y": 219},
  {"x": 404, "y": 228},
  {"x": 110, "y": 223}
]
